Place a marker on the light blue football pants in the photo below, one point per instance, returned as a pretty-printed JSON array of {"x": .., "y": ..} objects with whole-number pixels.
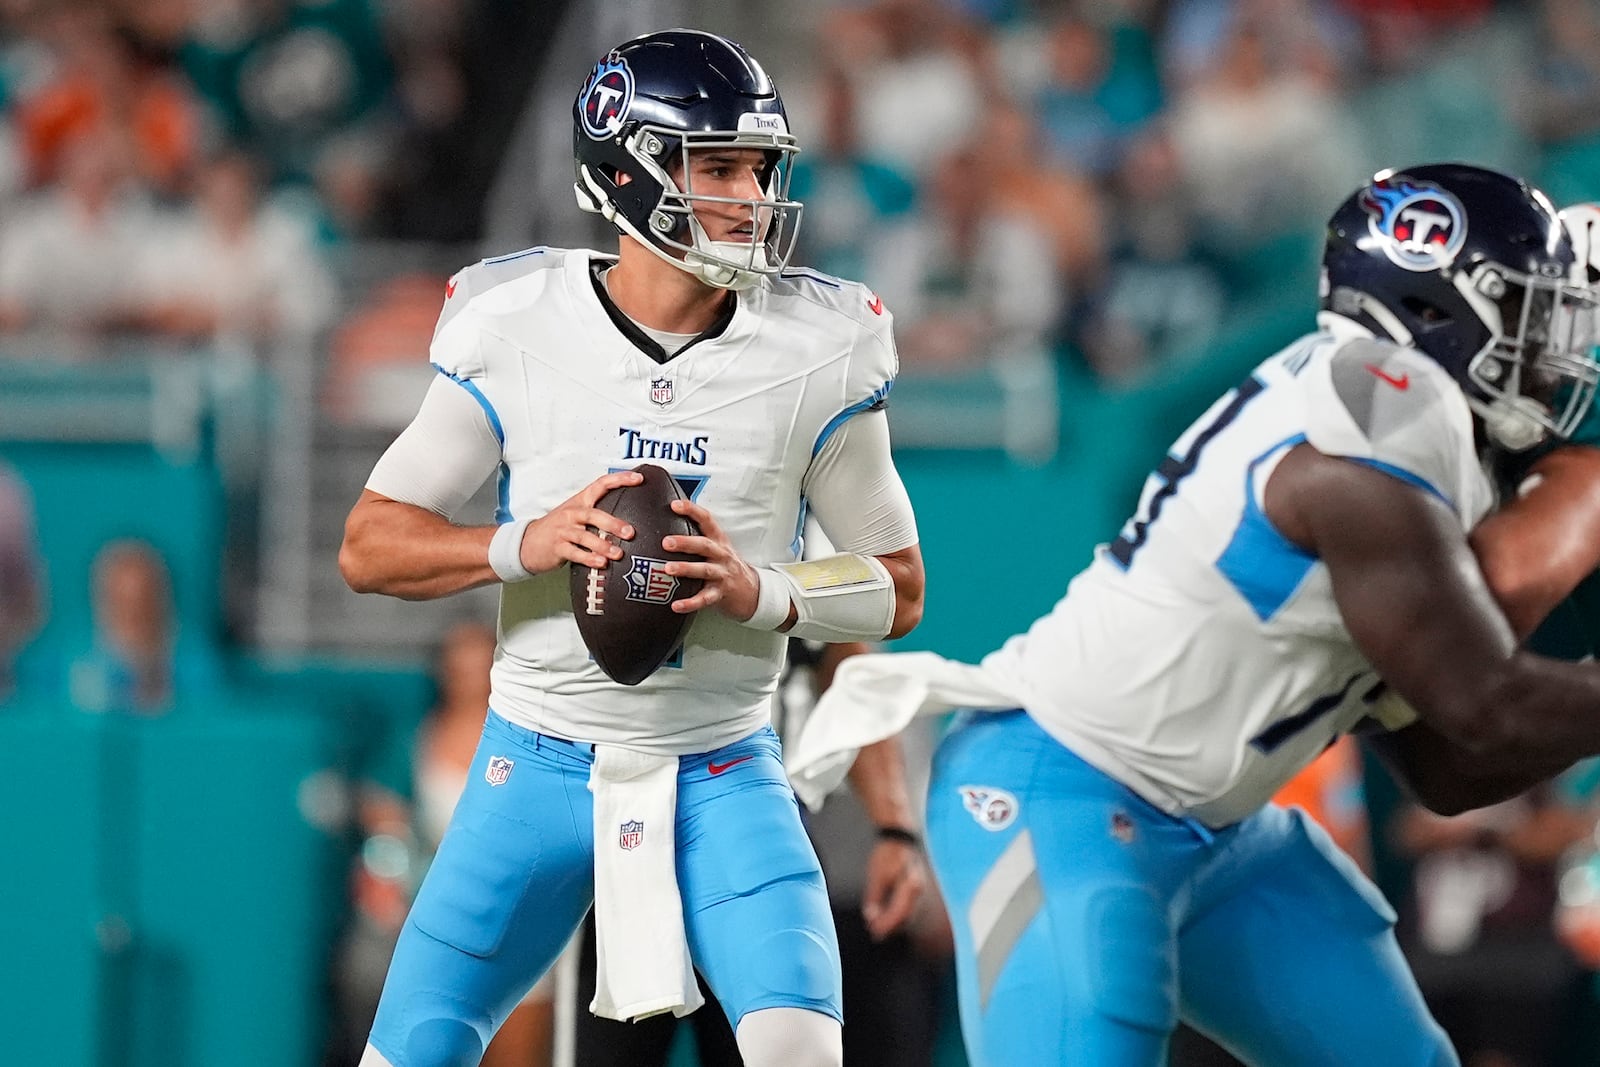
[
  {"x": 515, "y": 875},
  {"x": 1088, "y": 922}
]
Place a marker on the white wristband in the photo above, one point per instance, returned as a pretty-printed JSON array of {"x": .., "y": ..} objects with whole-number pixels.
[
  {"x": 505, "y": 551},
  {"x": 772, "y": 608}
]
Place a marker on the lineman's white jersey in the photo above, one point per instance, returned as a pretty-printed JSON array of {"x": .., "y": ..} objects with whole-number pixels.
[
  {"x": 1200, "y": 658},
  {"x": 736, "y": 418}
]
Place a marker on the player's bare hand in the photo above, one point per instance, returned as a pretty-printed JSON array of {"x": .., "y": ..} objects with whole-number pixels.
[
  {"x": 731, "y": 585},
  {"x": 564, "y": 535},
  {"x": 896, "y": 880}
]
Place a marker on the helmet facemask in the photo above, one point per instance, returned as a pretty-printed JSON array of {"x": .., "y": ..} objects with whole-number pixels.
[{"x": 1537, "y": 374}]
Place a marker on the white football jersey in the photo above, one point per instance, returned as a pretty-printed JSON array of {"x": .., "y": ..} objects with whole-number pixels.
[
  {"x": 735, "y": 417},
  {"x": 1201, "y": 658}
]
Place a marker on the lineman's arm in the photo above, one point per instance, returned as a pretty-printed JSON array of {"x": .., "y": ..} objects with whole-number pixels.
[
  {"x": 399, "y": 539},
  {"x": 1494, "y": 718}
]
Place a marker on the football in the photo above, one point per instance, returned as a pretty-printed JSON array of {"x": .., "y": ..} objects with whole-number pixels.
[{"x": 624, "y": 610}]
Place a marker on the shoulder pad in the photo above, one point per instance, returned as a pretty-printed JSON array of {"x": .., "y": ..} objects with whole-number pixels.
[
  {"x": 874, "y": 361},
  {"x": 1393, "y": 407},
  {"x": 455, "y": 348}
]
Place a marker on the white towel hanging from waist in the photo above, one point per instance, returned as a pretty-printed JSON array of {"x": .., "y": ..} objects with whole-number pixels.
[{"x": 641, "y": 951}]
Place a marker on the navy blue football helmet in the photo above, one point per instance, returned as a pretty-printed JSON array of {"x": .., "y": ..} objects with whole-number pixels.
[
  {"x": 649, "y": 103},
  {"x": 1472, "y": 268}
]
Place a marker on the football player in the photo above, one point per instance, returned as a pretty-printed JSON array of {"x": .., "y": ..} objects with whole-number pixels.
[
  {"x": 762, "y": 390},
  {"x": 1300, "y": 566}
]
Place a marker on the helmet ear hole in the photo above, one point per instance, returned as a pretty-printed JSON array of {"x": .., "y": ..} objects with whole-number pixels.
[{"x": 1424, "y": 312}]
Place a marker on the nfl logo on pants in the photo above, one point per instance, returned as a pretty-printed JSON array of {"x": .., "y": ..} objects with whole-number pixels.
[{"x": 630, "y": 836}]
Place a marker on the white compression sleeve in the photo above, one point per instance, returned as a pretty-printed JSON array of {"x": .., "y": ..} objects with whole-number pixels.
[
  {"x": 856, "y": 493},
  {"x": 441, "y": 459}
]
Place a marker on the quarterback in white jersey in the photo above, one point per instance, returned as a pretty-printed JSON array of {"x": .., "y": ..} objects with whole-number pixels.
[
  {"x": 761, "y": 390},
  {"x": 1312, "y": 557}
]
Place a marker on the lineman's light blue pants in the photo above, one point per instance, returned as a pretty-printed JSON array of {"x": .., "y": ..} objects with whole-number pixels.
[{"x": 1088, "y": 922}]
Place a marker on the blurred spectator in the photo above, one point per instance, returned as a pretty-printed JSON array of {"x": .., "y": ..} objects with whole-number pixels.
[
  {"x": 375, "y": 377},
  {"x": 1558, "y": 97},
  {"x": 1159, "y": 294},
  {"x": 857, "y": 218},
  {"x": 1101, "y": 84},
  {"x": 1480, "y": 925},
  {"x": 1564, "y": 99},
  {"x": 910, "y": 58},
  {"x": 237, "y": 268},
  {"x": 22, "y": 587},
  {"x": 403, "y": 823},
  {"x": 1395, "y": 33},
  {"x": 72, "y": 257},
  {"x": 1195, "y": 33},
  {"x": 1423, "y": 93},
  {"x": 1261, "y": 136},
  {"x": 286, "y": 79},
  {"x": 140, "y": 662},
  {"x": 103, "y": 81},
  {"x": 984, "y": 282}
]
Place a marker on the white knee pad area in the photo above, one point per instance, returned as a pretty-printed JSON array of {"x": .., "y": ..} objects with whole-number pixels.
[
  {"x": 371, "y": 1057},
  {"x": 788, "y": 1037}
]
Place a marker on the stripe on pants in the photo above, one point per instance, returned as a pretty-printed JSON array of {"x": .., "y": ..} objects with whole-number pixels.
[{"x": 1006, "y": 901}]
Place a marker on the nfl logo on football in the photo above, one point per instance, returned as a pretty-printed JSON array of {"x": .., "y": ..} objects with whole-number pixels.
[
  {"x": 499, "y": 770},
  {"x": 650, "y": 582},
  {"x": 630, "y": 836},
  {"x": 661, "y": 391}
]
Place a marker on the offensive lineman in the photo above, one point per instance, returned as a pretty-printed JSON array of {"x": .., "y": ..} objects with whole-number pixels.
[
  {"x": 762, "y": 390},
  {"x": 1107, "y": 854}
]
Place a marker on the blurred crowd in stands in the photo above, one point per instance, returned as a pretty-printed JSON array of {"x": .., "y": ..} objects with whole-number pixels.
[
  {"x": 1093, "y": 187},
  {"x": 1103, "y": 182}
]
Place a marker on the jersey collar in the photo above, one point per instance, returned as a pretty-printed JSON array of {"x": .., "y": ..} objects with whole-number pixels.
[{"x": 643, "y": 341}]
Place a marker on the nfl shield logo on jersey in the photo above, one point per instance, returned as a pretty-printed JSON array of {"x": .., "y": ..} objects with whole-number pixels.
[
  {"x": 661, "y": 391},
  {"x": 631, "y": 835},
  {"x": 995, "y": 809},
  {"x": 499, "y": 770}
]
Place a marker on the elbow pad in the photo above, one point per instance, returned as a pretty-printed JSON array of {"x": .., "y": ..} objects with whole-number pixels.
[{"x": 837, "y": 598}]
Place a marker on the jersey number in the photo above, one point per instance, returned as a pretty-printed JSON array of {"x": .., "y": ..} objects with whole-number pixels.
[{"x": 1175, "y": 469}]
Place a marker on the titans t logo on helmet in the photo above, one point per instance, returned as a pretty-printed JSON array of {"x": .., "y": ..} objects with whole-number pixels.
[
  {"x": 606, "y": 97},
  {"x": 1419, "y": 225}
]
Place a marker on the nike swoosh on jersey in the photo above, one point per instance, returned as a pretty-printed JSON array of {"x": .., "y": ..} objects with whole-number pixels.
[{"x": 1402, "y": 383}]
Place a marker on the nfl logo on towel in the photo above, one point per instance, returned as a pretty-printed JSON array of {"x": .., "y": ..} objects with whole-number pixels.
[
  {"x": 661, "y": 391},
  {"x": 631, "y": 835},
  {"x": 499, "y": 770}
]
